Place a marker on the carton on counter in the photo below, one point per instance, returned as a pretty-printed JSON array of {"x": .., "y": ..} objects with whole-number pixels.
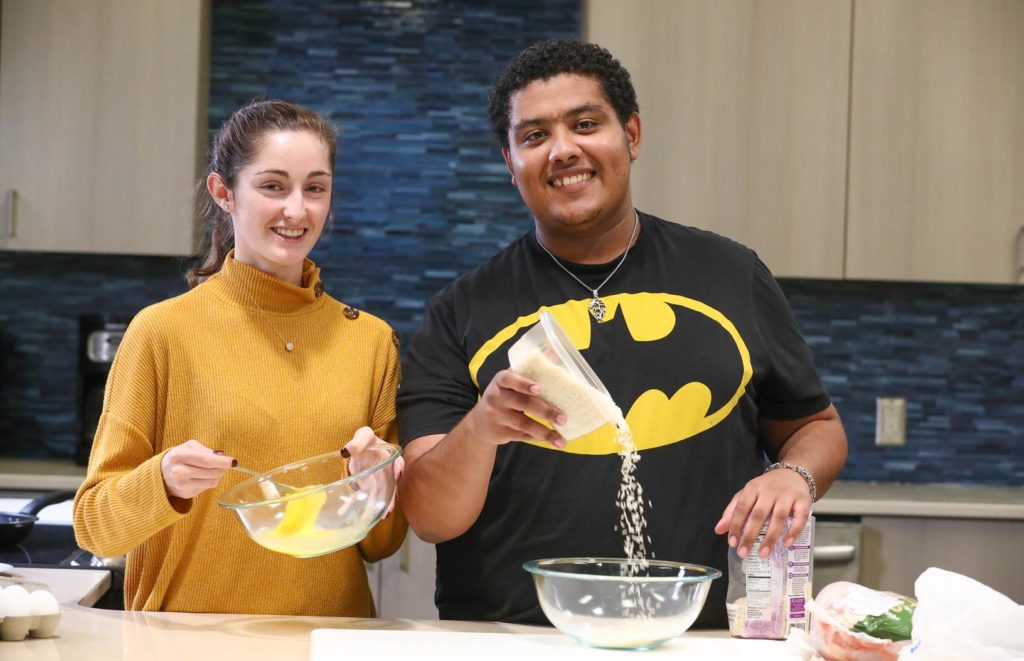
[{"x": 768, "y": 596}]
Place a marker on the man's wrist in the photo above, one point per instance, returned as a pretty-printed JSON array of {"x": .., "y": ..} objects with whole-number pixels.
[{"x": 812, "y": 485}]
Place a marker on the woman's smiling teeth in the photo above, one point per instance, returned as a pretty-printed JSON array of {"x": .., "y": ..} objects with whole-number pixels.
[
  {"x": 569, "y": 181},
  {"x": 288, "y": 233}
]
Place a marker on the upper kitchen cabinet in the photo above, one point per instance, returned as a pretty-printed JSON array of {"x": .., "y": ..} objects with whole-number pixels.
[
  {"x": 936, "y": 141},
  {"x": 744, "y": 107},
  {"x": 102, "y": 124}
]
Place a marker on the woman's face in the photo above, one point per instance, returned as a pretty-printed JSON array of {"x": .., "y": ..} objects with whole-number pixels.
[{"x": 280, "y": 203}]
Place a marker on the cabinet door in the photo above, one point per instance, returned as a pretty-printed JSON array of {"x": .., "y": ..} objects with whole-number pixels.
[
  {"x": 896, "y": 550},
  {"x": 405, "y": 588},
  {"x": 102, "y": 117},
  {"x": 744, "y": 109},
  {"x": 937, "y": 133}
]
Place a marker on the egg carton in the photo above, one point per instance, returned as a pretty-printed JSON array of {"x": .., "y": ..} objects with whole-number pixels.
[
  {"x": 20, "y": 627},
  {"x": 41, "y": 624}
]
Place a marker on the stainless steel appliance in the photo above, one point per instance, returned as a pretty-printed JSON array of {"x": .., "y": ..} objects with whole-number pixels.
[
  {"x": 99, "y": 336},
  {"x": 837, "y": 552}
]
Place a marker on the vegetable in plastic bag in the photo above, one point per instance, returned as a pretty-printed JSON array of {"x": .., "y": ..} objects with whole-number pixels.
[{"x": 850, "y": 622}]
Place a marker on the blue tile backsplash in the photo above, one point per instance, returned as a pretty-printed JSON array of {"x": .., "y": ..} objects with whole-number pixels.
[
  {"x": 421, "y": 195},
  {"x": 955, "y": 352}
]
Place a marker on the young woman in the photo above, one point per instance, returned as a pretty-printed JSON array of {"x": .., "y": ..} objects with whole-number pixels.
[{"x": 256, "y": 364}]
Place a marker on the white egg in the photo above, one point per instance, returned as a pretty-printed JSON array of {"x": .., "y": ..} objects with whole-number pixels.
[
  {"x": 42, "y": 602},
  {"x": 14, "y": 602}
]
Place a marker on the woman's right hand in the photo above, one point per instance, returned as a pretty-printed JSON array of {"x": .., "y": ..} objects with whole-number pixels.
[{"x": 191, "y": 468}]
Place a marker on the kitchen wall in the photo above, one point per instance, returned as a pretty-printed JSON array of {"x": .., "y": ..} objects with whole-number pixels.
[
  {"x": 422, "y": 195},
  {"x": 955, "y": 352}
]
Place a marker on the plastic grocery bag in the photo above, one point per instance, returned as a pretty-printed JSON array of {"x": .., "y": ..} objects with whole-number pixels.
[{"x": 959, "y": 618}]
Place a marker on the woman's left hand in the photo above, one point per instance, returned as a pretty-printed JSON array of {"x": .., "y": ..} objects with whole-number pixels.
[{"x": 364, "y": 439}]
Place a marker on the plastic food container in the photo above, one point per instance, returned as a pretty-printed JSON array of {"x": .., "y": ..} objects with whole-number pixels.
[{"x": 545, "y": 355}]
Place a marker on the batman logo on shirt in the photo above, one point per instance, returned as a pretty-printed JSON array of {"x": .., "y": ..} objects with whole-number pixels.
[{"x": 674, "y": 365}]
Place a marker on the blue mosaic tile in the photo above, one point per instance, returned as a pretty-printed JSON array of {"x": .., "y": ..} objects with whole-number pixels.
[{"x": 955, "y": 352}]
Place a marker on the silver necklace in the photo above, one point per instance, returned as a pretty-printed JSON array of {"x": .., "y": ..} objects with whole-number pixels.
[
  {"x": 289, "y": 345},
  {"x": 597, "y": 307}
]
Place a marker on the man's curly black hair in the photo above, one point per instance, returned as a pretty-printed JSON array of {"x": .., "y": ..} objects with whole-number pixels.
[{"x": 552, "y": 57}]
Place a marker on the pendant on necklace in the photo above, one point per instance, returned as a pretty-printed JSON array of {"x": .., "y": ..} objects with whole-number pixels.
[
  {"x": 289, "y": 346},
  {"x": 597, "y": 308}
]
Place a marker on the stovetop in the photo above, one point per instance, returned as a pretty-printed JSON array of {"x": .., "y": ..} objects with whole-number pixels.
[{"x": 46, "y": 545}]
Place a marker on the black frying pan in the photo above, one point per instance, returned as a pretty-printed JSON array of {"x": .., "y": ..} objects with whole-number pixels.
[{"x": 16, "y": 527}]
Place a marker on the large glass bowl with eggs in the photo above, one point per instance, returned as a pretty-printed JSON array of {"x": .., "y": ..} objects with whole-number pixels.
[
  {"x": 318, "y": 505},
  {"x": 613, "y": 603}
]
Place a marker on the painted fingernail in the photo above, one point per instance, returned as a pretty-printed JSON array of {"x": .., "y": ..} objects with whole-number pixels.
[
  {"x": 234, "y": 463},
  {"x": 733, "y": 541},
  {"x": 218, "y": 451},
  {"x": 345, "y": 453}
]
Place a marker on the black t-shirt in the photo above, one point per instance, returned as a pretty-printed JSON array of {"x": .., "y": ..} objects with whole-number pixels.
[{"x": 698, "y": 344}]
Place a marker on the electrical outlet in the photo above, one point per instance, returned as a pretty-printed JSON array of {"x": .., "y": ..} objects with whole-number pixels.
[{"x": 890, "y": 421}]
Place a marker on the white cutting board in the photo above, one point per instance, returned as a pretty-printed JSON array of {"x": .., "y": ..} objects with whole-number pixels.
[{"x": 349, "y": 644}]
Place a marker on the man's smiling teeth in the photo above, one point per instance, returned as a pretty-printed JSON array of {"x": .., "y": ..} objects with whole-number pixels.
[
  {"x": 568, "y": 181},
  {"x": 291, "y": 234}
]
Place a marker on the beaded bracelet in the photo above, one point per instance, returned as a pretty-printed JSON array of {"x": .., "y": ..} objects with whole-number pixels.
[{"x": 802, "y": 472}]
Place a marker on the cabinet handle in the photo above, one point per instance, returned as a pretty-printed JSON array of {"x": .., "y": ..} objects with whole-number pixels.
[
  {"x": 837, "y": 553},
  {"x": 11, "y": 208},
  {"x": 1020, "y": 255}
]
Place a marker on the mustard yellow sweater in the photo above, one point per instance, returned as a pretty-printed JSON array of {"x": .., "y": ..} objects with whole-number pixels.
[{"x": 208, "y": 365}]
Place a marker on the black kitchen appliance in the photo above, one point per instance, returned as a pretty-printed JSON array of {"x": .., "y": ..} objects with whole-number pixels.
[{"x": 99, "y": 335}]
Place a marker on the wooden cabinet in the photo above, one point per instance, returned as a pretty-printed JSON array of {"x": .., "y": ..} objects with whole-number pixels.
[
  {"x": 895, "y": 550},
  {"x": 894, "y": 153},
  {"x": 744, "y": 110},
  {"x": 936, "y": 137},
  {"x": 102, "y": 124}
]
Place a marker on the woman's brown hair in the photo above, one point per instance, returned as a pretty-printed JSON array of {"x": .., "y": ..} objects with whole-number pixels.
[{"x": 234, "y": 146}]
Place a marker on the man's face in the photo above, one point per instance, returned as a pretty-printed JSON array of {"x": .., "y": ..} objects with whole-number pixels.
[{"x": 569, "y": 154}]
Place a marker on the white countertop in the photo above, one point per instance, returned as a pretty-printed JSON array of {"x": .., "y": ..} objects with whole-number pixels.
[
  {"x": 957, "y": 501},
  {"x": 87, "y": 634}
]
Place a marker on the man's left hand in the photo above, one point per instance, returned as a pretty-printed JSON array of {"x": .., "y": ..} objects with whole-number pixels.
[{"x": 771, "y": 497}]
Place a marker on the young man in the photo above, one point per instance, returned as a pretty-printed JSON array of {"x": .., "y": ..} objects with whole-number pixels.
[{"x": 688, "y": 330}]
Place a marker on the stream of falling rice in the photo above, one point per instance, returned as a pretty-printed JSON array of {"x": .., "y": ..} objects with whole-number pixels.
[{"x": 632, "y": 520}]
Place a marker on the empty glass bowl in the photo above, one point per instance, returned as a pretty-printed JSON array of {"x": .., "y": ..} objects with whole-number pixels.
[
  {"x": 595, "y": 601},
  {"x": 328, "y": 510}
]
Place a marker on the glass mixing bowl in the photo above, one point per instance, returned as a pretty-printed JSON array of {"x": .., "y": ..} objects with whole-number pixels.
[
  {"x": 314, "y": 506},
  {"x": 598, "y": 603}
]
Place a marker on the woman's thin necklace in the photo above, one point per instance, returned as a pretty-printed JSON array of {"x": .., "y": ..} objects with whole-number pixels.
[
  {"x": 597, "y": 307},
  {"x": 289, "y": 345}
]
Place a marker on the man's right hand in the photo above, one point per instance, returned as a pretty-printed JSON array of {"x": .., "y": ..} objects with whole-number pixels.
[
  {"x": 191, "y": 468},
  {"x": 501, "y": 414}
]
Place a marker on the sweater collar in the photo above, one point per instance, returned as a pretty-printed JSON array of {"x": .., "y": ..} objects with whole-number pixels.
[{"x": 249, "y": 287}]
